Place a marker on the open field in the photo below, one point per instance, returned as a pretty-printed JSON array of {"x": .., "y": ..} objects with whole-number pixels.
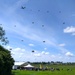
[
  {"x": 65, "y": 71},
  {"x": 23, "y": 72}
]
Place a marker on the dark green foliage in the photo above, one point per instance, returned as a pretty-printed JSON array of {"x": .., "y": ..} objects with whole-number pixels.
[
  {"x": 6, "y": 61},
  {"x": 3, "y": 39}
]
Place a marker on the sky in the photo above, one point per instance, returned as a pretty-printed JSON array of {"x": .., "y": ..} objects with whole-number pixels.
[{"x": 39, "y": 30}]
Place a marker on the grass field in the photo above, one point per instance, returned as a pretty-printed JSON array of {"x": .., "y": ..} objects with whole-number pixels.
[
  {"x": 55, "y": 72},
  {"x": 23, "y": 72}
]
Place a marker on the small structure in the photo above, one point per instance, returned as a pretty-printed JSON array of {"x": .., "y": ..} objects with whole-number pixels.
[
  {"x": 29, "y": 67},
  {"x": 17, "y": 64}
]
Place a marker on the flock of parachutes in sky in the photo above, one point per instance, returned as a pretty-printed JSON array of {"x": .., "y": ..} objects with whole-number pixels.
[{"x": 23, "y": 7}]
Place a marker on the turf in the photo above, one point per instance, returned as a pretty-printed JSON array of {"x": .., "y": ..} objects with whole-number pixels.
[
  {"x": 23, "y": 72},
  {"x": 55, "y": 72}
]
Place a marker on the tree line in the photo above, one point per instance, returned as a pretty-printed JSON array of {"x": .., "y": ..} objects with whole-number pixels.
[
  {"x": 6, "y": 60},
  {"x": 53, "y": 63}
]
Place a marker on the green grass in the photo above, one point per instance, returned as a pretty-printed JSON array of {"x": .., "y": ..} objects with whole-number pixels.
[
  {"x": 23, "y": 72},
  {"x": 61, "y": 72}
]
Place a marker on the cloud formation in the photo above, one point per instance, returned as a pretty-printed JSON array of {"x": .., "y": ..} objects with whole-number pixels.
[
  {"x": 44, "y": 53},
  {"x": 20, "y": 54},
  {"x": 70, "y": 29},
  {"x": 69, "y": 54}
]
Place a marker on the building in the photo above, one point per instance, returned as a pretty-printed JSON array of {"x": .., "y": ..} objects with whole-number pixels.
[{"x": 17, "y": 64}]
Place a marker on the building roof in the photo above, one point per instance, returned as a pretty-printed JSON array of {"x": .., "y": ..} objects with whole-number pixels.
[{"x": 19, "y": 63}]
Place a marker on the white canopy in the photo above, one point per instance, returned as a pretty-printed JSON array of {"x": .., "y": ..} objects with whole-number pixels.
[{"x": 29, "y": 65}]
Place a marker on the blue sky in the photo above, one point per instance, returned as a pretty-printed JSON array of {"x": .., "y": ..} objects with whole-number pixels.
[{"x": 52, "y": 21}]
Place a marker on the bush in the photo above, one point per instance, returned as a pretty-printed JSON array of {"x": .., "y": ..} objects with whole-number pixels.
[{"x": 6, "y": 61}]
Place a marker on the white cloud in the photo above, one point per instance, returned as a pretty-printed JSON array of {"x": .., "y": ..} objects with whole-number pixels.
[
  {"x": 69, "y": 54},
  {"x": 62, "y": 45},
  {"x": 31, "y": 44},
  {"x": 70, "y": 29},
  {"x": 20, "y": 54},
  {"x": 8, "y": 47},
  {"x": 45, "y": 48},
  {"x": 44, "y": 53},
  {"x": 37, "y": 54}
]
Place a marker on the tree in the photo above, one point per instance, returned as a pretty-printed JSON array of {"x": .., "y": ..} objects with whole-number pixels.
[
  {"x": 3, "y": 39},
  {"x": 6, "y": 60}
]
